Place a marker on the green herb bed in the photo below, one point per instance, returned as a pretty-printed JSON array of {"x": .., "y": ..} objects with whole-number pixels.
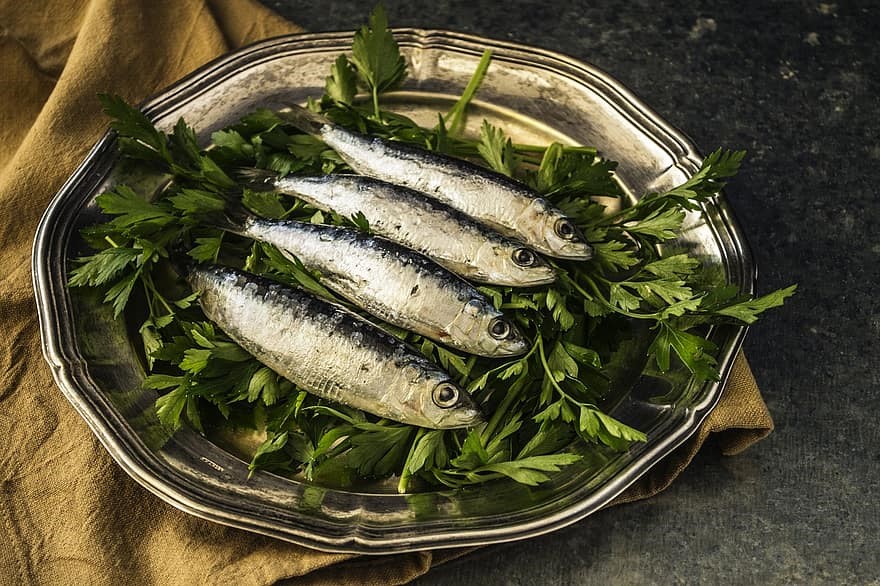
[{"x": 537, "y": 405}]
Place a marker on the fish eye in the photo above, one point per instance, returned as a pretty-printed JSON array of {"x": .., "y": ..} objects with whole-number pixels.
[
  {"x": 445, "y": 395},
  {"x": 499, "y": 328},
  {"x": 566, "y": 230},
  {"x": 524, "y": 257},
  {"x": 474, "y": 306}
]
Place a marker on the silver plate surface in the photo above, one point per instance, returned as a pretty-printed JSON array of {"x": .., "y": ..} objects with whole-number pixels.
[{"x": 536, "y": 96}]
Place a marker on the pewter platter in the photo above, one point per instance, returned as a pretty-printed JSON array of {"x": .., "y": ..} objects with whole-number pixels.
[{"x": 536, "y": 96}]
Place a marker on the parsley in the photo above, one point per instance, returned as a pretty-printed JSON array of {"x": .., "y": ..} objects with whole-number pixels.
[
  {"x": 453, "y": 123},
  {"x": 578, "y": 171},
  {"x": 139, "y": 139},
  {"x": 540, "y": 405},
  {"x": 102, "y": 267},
  {"x": 341, "y": 84},
  {"x": 694, "y": 351},
  {"x": 747, "y": 311},
  {"x": 496, "y": 149},
  {"x": 376, "y": 57}
]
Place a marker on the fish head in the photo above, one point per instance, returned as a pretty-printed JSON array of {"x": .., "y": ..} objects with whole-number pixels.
[
  {"x": 515, "y": 265},
  {"x": 488, "y": 331},
  {"x": 445, "y": 405},
  {"x": 552, "y": 232}
]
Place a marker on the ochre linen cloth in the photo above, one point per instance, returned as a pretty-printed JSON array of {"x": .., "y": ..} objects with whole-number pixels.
[{"x": 68, "y": 514}]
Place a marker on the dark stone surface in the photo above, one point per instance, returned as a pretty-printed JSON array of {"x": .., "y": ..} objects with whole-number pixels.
[{"x": 795, "y": 84}]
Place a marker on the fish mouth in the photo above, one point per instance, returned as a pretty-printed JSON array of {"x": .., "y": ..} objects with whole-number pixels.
[
  {"x": 514, "y": 345},
  {"x": 512, "y": 349},
  {"x": 470, "y": 417},
  {"x": 573, "y": 251},
  {"x": 540, "y": 276},
  {"x": 528, "y": 280},
  {"x": 463, "y": 417},
  {"x": 496, "y": 349},
  {"x": 520, "y": 277}
]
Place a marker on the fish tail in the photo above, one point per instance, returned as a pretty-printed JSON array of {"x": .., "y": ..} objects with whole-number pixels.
[
  {"x": 303, "y": 119},
  {"x": 181, "y": 262},
  {"x": 234, "y": 219},
  {"x": 234, "y": 215},
  {"x": 257, "y": 179}
]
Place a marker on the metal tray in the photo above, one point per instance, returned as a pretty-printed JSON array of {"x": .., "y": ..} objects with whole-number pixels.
[{"x": 536, "y": 96}]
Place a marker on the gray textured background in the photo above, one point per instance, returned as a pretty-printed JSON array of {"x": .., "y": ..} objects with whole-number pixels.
[{"x": 796, "y": 84}]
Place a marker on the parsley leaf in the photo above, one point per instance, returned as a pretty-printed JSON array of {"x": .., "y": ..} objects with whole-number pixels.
[
  {"x": 748, "y": 311},
  {"x": 672, "y": 267},
  {"x": 706, "y": 182},
  {"x": 360, "y": 222},
  {"x": 139, "y": 139},
  {"x": 530, "y": 470},
  {"x": 131, "y": 209},
  {"x": 594, "y": 424},
  {"x": 660, "y": 224},
  {"x": 264, "y": 203},
  {"x": 575, "y": 171},
  {"x": 378, "y": 450},
  {"x": 269, "y": 449},
  {"x": 694, "y": 351},
  {"x": 207, "y": 249},
  {"x": 102, "y": 267},
  {"x": 497, "y": 149},
  {"x": 341, "y": 84},
  {"x": 169, "y": 406},
  {"x": 376, "y": 57},
  {"x": 197, "y": 202}
]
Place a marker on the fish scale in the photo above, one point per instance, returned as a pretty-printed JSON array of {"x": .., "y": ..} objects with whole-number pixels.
[
  {"x": 393, "y": 283},
  {"x": 488, "y": 197},
  {"x": 409, "y": 217},
  {"x": 311, "y": 342}
]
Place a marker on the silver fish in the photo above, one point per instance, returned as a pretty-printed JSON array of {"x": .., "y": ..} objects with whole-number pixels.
[
  {"x": 394, "y": 283},
  {"x": 452, "y": 239},
  {"x": 494, "y": 199},
  {"x": 329, "y": 351}
]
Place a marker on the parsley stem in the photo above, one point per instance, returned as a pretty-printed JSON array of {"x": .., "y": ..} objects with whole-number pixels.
[
  {"x": 148, "y": 281},
  {"x": 620, "y": 215},
  {"x": 148, "y": 296},
  {"x": 601, "y": 298},
  {"x": 574, "y": 284},
  {"x": 297, "y": 204},
  {"x": 468, "y": 368},
  {"x": 406, "y": 474},
  {"x": 217, "y": 252},
  {"x": 547, "y": 370},
  {"x": 511, "y": 395},
  {"x": 458, "y": 113},
  {"x": 555, "y": 385},
  {"x": 540, "y": 150}
]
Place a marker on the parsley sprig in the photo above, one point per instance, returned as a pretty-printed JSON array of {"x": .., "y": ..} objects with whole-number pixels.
[
  {"x": 540, "y": 405},
  {"x": 376, "y": 59}
]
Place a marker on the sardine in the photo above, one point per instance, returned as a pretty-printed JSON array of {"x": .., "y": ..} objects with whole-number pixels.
[
  {"x": 406, "y": 216},
  {"x": 393, "y": 283},
  {"x": 329, "y": 351},
  {"x": 494, "y": 199}
]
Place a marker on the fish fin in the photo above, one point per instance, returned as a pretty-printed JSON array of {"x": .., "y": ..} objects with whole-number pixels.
[{"x": 303, "y": 119}]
